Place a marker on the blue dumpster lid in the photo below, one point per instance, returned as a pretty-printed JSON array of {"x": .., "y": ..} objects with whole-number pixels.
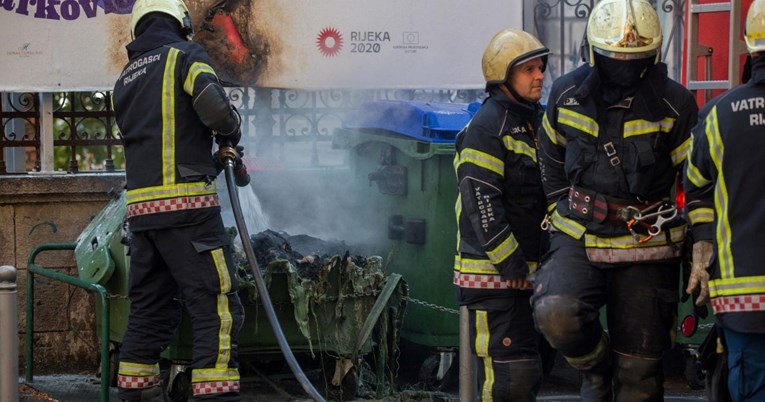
[{"x": 424, "y": 121}]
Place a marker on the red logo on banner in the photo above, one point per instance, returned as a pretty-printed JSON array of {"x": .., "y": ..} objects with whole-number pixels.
[{"x": 329, "y": 42}]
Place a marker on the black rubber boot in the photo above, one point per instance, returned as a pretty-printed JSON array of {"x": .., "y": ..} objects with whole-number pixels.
[
  {"x": 525, "y": 379},
  {"x": 153, "y": 394},
  {"x": 597, "y": 383},
  {"x": 596, "y": 372},
  {"x": 638, "y": 379}
]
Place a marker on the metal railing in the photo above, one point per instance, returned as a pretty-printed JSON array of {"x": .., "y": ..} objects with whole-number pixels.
[
  {"x": 81, "y": 134},
  {"x": 34, "y": 269}
]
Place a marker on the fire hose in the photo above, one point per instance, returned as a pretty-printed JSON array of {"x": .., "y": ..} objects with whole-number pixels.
[{"x": 230, "y": 159}]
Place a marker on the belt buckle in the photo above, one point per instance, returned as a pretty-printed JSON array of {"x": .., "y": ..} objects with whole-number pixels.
[{"x": 611, "y": 153}]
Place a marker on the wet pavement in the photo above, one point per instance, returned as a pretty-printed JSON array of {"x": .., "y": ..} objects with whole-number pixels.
[{"x": 263, "y": 385}]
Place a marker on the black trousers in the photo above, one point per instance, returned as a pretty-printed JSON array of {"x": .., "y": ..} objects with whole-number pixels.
[
  {"x": 640, "y": 299},
  {"x": 641, "y": 313},
  {"x": 170, "y": 268},
  {"x": 507, "y": 346}
]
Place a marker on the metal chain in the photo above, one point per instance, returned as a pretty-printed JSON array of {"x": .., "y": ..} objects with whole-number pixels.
[
  {"x": 407, "y": 298},
  {"x": 431, "y": 305}
]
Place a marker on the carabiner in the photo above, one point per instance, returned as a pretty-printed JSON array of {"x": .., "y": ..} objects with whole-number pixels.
[
  {"x": 545, "y": 224},
  {"x": 637, "y": 235}
]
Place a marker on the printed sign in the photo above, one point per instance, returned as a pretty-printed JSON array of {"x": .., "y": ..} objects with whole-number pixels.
[{"x": 62, "y": 45}]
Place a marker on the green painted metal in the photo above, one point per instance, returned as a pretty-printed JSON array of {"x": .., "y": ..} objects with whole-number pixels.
[
  {"x": 430, "y": 195},
  {"x": 98, "y": 241},
  {"x": 35, "y": 269},
  {"x": 102, "y": 258}
]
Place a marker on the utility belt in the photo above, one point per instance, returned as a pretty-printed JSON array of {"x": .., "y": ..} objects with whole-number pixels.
[{"x": 643, "y": 219}]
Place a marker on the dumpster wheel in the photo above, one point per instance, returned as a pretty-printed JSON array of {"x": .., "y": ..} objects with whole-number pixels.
[
  {"x": 692, "y": 371},
  {"x": 434, "y": 376},
  {"x": 177, "y": 383}
]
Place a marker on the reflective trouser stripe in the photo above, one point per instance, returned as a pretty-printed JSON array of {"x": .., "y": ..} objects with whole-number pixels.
[
  {"x": 488, "y": 383},
  {"x": 482, "y": 335},
  {"x": 472, "y": 281},
  {"x": 737, "y": 304},
  {"x": 214, "y": 387},
  {"x": 137, "y": 375},
  {"x": 637, "y": 254}
]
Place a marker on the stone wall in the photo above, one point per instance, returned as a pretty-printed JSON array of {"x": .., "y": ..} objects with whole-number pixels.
[{"x": 54, "y": 208}]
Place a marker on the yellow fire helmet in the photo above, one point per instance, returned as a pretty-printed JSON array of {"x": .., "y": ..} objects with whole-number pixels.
[
  {"x": 625, "y": 30},
  {"x": 175, "y": 8},
  {"x": 507, "y": 48},
  {"x": 755, "y": 27}
]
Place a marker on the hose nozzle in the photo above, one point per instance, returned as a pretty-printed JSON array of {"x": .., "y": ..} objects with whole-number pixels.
[{"x": 226, "y": 154}]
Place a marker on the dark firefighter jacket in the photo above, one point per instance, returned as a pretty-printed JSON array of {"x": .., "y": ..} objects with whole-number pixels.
[
  {"x": 500, "y": 203},
  {"x": 168, "y": 149},
  {"x": 597, "y": 159},
  {"x": 724, "y": 187}
]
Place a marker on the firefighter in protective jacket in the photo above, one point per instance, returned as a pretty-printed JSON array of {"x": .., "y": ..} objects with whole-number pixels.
[
  {"x": 615, "y": 137},
  {"x": 724, "y": 186},
  {"x": 168, "y": 105},
  {"x": 499, "y": 208}
]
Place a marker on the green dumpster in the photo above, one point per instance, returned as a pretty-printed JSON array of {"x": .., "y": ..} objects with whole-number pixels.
[{"x": 400, "y": 156}]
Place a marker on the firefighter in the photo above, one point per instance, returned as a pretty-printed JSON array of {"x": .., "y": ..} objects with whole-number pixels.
[
  {"x": 499, "y": 207},
  {"x": 615, "y": 136},
  {"x": 724, "y": 184},
  {"x": 169, "y": 106}
]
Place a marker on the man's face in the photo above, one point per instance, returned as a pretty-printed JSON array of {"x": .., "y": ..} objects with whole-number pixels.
[{"x": 526, "y": 80}]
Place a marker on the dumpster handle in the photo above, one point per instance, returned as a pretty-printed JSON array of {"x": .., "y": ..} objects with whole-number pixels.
[
  {"x": 261, "y": 285},
  {"x": 32, "y": 269}
]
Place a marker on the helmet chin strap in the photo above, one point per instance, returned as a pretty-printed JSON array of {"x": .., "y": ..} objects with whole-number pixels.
[
  {"x": 187, "y": 26},
  {"x": 511, "y": 93}
]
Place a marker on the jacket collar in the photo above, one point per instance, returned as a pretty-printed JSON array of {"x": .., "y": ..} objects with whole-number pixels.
[
  {"x": 526, "y": 110},
  {"x": 644, "y": 103},
  {"x": 758, "y": 70},
  {"x": 159, "y": 32}
]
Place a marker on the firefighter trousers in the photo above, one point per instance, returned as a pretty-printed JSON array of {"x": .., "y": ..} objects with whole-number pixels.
[
  {"x": 507, "y": 346},
  {"x": 170, "y": 269},
  {"x": 641, "y": 307}
]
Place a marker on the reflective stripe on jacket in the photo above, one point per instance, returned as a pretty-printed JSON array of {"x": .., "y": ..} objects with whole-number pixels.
[
  {"x": 724, "y": 188},
  {"x": 168, "y": 150},
  {"x": 631, "y": 151},
  {"x": 500, "y": 204}
]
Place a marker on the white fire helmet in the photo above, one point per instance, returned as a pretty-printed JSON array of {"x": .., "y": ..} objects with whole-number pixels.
[
  {"x": 625, "y": 30},
  {"x": 175, "y": 8},
  {"x": 755, "y": 27}
]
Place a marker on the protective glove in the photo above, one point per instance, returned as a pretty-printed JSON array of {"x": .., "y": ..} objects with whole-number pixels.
[
  {"x": 220, "y": 164},
  {"x": 702, "y": 258},
  {"x": 521, "y": 284},
  {"x": 241, "y": 176},
  {"x": 239, "y": 151},
  {"x": 232, "y": 139}
]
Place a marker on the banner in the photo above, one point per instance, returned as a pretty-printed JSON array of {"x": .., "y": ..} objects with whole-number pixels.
[{"x": 79, "y": 45}]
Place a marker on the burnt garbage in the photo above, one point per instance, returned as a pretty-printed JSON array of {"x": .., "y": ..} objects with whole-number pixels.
[
  {"x": 331, "y": 290},
  {"x": 306, "y": 253}
]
